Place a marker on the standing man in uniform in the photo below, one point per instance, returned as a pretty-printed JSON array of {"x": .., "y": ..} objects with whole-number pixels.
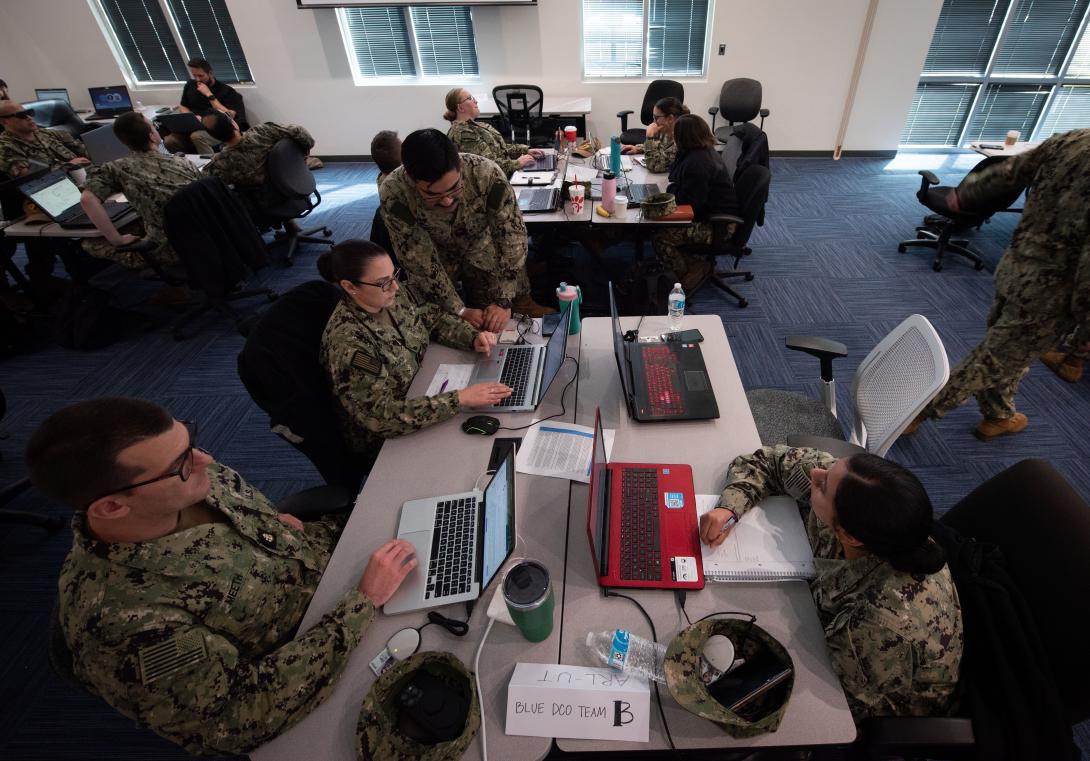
[
  {"x": 1042, "y": 284},
  {"x": 148, "y": 179},
  {"x": 184, "y": 588},
  {"x": 203, "y": 95},
  {"x": 454, "y": 217}
]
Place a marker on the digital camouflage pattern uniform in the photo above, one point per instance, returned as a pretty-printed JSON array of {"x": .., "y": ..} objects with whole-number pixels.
[
  {"x": 1042, "y": 284},
  {"x": 482, "y": 242},
  {"x": 49, "y": 146},
  {"x": 191, "y": 634},
  {"x": 371, "y": 361},
  {"x": 484, "y": 140},
  {"x": 243, "y": 165},
  {"x": 659, "y": 153},
  {"x": 148, "y": 179},
  {"x": 895, "y": 642}
]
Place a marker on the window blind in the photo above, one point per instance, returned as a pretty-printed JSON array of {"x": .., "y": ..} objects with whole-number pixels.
[
  {"x": 1039, "y": 36},
  {"x": 207, "y": 32},
  {"x": 444, "y": 41},
  {"x": 964, "y": 36},
  {"x": 613, "y": 38},
  {"x": 676, "y": 32},
  {"x": 146, "y": 43},
  {"x": 938, "y": 113},
  {"x": 1006, "y": 107},
  {"x": 1080, "y": 61},
  {"x": 380, "y": 42},
  {"x": 1070, "y": 109}
]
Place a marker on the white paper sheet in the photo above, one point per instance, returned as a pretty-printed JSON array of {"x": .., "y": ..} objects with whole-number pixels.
[
  {"x": 537, "y": 179},
  {"x": 560, "y": 450},
  {"x": 577, "y": 173},
  {"x": 455, "y": 376}
]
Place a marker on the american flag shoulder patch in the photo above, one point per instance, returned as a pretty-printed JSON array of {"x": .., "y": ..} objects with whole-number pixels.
[
  {"x": 366, "y": 362},
  {"x": 170, "y": 656}
]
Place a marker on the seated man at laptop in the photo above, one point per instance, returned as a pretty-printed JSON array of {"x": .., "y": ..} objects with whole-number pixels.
[
  {"x": 373, "y": 344},
  {"x": 148, "y": 179},
  {"x": 184, "y": 588},
  {"x": 22, "y": 142},
  {"x": 481, "y": 138},
  {"x": 454, "y": 217},
  {"x": 203, "y": 95},
  {"x": 241, "y": 161},
  {"x": 883, "y": 590}
]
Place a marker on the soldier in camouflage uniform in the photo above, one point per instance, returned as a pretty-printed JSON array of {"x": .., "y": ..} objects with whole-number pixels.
[
  {"x": 883, "y": 591},
  {"x": 241, "y": 162},
  {"x": 481, "y": 138},
  {"x": 463, "y": 224},
  {"x": 22, "y": 141},
  {"x": 373, "y": 345},
  {"x": 183, "y": 591},
  {"x": 1042, "y": 284},
  {"x": 148, "y": 179},
  {"x": 659, "y": 148}
]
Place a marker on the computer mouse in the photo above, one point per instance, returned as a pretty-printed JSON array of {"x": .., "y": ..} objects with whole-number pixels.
[{"x": 483, "y": 425}]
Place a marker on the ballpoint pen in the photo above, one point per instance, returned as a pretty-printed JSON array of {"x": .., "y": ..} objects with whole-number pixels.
[{"x": 444, "y": 386}]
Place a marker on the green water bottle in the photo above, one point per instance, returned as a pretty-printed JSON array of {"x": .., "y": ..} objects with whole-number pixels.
[{"x": 574, "y": 296}]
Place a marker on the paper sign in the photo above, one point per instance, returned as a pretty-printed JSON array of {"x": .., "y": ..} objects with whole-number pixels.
[{"x": 584, "y": 703}]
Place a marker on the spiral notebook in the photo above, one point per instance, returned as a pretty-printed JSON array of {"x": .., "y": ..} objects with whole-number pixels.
[{"x": 768, "y": 543}]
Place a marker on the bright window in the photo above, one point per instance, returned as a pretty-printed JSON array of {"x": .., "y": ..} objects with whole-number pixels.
[
  {"x": 409, "y": 43},
  {"x": 644, "y": 38}
]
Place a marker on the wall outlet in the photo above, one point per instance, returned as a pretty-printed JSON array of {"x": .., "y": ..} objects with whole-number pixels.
[{"x": 722, "y": 48}]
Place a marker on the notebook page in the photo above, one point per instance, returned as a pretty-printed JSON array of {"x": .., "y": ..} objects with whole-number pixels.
[{"x": 768, "y": 543}]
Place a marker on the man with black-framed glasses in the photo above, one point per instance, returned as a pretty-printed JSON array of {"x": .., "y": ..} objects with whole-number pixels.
[
  {"x": 184, "y": 587},
  {"x": 22, "y": 142}
]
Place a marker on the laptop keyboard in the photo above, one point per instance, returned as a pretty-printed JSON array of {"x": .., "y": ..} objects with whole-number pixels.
[
  {"x": 660, "y": 376},
  {"x": 453, "y": 545},
  {"x": 640, "y": 541},
  {"x": 516, "y": 374}
]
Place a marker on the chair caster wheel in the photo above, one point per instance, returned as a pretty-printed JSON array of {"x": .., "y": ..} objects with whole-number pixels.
[
  {"x": 749, "y": 277},
  {"x": 743, "y": 303},
  {"x": 327, "y": 232},
  {"x": 937, "y": 266},
  {"x": 901, "y": 249},
  {"x": 978, "y": 266}
]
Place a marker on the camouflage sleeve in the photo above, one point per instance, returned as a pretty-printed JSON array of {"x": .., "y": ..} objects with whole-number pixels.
[
  {"x": 514, "y": 150},
  {"x": 487, "y": 143},
  {"x": 875, "y": 666},
  {"x": 11, "y": 160},
  {"x": 1080, "y": 297},
  {"x": 446, "y": 328},
  {"x": 660, "y": 154},
  {"x": 771, "y": 471},
  {"x": 978, "y": 189},
  {"x": 215, "y": 700},
  {"x": 76, "y": 146},
  {"x": 104, "y": 181},
  {"x": 280, "y": 131},
  {"x": 417, "y": 255},
  {"x": 508, "y": 275}
]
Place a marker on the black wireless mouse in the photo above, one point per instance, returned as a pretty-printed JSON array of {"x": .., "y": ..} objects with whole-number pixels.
[{"x": 483, "y": 425}]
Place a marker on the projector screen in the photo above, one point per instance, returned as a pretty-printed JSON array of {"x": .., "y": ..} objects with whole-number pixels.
[{"x": 365, "y": 3}]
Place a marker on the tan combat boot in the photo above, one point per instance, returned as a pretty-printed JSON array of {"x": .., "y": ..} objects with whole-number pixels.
[
  {"x": 914, "y": 425},
  {"x": 991, "y": 428},
  {"x": 1068, "y": 367},
  {"x": 526, "y": 305}
]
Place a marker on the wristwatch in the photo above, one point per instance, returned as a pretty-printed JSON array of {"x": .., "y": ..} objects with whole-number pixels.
[
  {"x": 502, "y": 303},
  {"x": 461, "y": 311}
]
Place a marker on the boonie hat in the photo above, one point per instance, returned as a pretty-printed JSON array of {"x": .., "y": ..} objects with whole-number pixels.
[
  {"x": 683, "y": 675},
  {"x": 386, "y": 733},
  {"x": 658, "y": 205}
]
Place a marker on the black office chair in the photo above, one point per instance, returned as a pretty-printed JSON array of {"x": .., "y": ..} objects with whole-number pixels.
[
  {"x": 521, "y": 108},
  {"x": 739, "y": 102},
  {"x": 281, "y": 370},
  {"x": 938, "y": 229},
  {"x": 751, "y": 191},
  {"x": 286, "y": 171},
  {"x": 656, "y": 91},
  {"x": 56, "y": 114},
  {"x": 1041, "y": 528}
]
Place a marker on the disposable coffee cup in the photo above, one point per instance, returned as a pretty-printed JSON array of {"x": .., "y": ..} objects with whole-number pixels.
[
  {"x": 570, "y": 133},
  {"x": 1012, "y": 137},
  {"x": 620, "y": 206},
  {"x": 578, "y": 194},
  {"x": 529, "y": 597}
]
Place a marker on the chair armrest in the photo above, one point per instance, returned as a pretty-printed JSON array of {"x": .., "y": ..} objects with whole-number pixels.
[
  {"x": 929, "y": 177},
  {"x": 725, "y": 219},
  {"x": 713, "y": 110},
  {"x": 916, "y": 735},
  {"x": 312, "y": 504},
  {"x": 764, "y": 112},
  {"x": 622, "y": 114},
  {"x": 824, "y": 349},
  {"x": 836, "y": 447}
]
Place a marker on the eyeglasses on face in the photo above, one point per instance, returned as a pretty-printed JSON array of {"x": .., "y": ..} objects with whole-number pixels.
[
  {"x": 26, "y": 114},
  {"x": 385, "y": 284},
  {"x": 454, "y": 192},
  {"x": 660, "y": 117},
  {"x": 468, "y": 98},
  {"x": 183, "y": 466}
]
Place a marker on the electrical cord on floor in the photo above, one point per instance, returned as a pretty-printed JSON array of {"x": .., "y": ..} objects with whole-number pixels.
[
  {"x": 480, "y": 696},
  {"x": 563, "y": 409},
  {"x": 654, "y": 638}
]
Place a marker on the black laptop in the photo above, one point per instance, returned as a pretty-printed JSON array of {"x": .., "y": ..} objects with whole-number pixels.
[
  {"x": 109, "y": 102},
  {"x": 58, "y": 197},
  {"x": 539, "y": 200},
  {"x": 180, "y": 124},
  {"x": 662, "y": 381}
]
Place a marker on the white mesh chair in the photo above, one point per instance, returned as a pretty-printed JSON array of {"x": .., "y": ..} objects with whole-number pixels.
[{"x": 891, "y": 387}]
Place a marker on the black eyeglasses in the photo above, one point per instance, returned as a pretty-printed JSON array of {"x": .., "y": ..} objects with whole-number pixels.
[
  {"x": 385, "y": 284},
  {"x": 18, "y": 115},
  {"x": 183, "y": 470}
]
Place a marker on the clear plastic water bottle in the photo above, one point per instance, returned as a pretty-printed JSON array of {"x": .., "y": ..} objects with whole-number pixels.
[
  {"x": 626, "y": 652},
  {"x": 676, "y": 309}
]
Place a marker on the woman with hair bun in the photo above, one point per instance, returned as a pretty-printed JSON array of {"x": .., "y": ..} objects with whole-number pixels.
[
  {"x": 481, "y": 138},
  {"x": 373, "y": 344},
  {"x": 883, "y": 590}
]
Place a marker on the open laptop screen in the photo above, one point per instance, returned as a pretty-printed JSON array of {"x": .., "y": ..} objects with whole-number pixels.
[
  {"x": 55, "y": 193},
  {"x": 599, "y": 499},
  {"x": 556, "y": 349},
  {"x": 52, "y": 94},
  {"x": 499, "y": 519},
  {"x": 618, "y": 346},
  {"x": 110, "y": 100}
]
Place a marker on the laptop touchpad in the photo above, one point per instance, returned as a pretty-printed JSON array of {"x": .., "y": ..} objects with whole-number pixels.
[{"x": 695, "y": 380}]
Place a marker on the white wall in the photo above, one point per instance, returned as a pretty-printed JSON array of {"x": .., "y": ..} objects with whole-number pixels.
[{"x": 801, "y": 50}]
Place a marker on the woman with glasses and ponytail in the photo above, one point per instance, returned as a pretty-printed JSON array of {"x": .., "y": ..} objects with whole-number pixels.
[
  {"x": 373, "y": 344},
  {"x": 481, "y": 138},
  {"x": 883, "y": 590}
]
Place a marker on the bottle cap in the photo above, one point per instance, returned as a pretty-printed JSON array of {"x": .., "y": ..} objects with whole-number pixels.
[
  {"x": 677, "y": 285},
  {"x": 608, "y": 176}
]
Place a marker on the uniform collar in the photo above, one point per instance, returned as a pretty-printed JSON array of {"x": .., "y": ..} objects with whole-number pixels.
[{"x": 839, "y": 580}]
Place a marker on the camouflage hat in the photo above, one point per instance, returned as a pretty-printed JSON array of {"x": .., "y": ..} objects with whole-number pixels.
[
  {"x": 659, "y": 205},
  {"x": 683, "y": 670},
  {"x": 383, "y": 734}
]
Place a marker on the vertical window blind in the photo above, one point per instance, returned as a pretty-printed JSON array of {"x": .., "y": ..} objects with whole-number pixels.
[
  {"x": 637, "y": 38},
  {"x": 207, "y": 32},
  {"x": 146, "y": 42},
  {"x": 432, "y": 41}
]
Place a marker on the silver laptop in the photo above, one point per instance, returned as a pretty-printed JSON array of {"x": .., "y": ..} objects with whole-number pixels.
[
  {"x": 461, "y": 541},
  {"x": 103, "y": 145},
  {"x": 528, "y": 369},
  {"x": 52, "y": 93}
]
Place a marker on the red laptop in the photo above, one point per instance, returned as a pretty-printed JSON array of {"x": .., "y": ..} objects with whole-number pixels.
[{"x": 642, "y": 525}]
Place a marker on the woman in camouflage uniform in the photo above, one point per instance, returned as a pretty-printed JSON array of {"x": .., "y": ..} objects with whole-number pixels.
[
  {"x": 373, "y": 344},
  {"x": 659, "y": 148},
  {"x": 481, "y": 138}
]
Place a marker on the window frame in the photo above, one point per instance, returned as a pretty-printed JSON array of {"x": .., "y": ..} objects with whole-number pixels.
[
  {"x": 360, "y": 80},
  {"x": 644, "y": 76}
]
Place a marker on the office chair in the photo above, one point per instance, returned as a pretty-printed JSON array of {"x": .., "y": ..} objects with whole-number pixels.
[
  {"x": 56, "y": 114},
  {"x": 286, "y": 171},
  {"x": 1046, "y": 558},
  {"x": 520, "y": 108},
  {"x": 281, "y": 370},
  {"x": 751, "y": 191},
  {"x": 937, "y": 231},
  {"x": 656, "y": 91},
  {"x": 739, "y": 102},
  {"x": 891, "y": 386}
]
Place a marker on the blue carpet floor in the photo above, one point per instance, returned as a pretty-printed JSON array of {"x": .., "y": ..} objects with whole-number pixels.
[{"x": 825, "y": 263}]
